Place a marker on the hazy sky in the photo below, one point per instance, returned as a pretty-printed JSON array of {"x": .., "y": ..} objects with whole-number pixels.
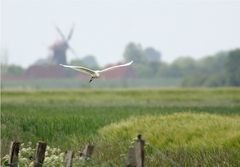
[{"x": 104, "y": 27}]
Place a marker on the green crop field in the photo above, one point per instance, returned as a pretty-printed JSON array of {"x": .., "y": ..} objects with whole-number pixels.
[
  {"x": 70, "y": 83},
  {"x": 181, "y": 127}
]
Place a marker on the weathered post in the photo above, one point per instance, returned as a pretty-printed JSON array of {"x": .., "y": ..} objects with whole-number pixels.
[
  {"x": 135, "y": 156},
  {"x": 68, "y": 158},
  {"x": 131, "y": 159},
  {"x": 13, "y": 154},
  {"x": 139, "y": 151},
  {"x": 87, "y": 152},
  {"x": 39, "y": 154}
]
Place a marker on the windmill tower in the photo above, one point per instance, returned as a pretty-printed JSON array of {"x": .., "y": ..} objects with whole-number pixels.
[{"x": 60, "y": 47}]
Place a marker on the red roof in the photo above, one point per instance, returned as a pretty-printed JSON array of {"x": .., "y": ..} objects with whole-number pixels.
[
  {"x": 119, "y": 73},
  {"x": 38, "y": 71},
  {"x": 13, "y": 77}
]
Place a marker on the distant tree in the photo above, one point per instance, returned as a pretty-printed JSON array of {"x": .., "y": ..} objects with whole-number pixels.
[
  {"x": 214, "y": 80},
  {"x": 233, "y": 68},
  {"x": 195, "y": 80},
  {"x": 163, "y": 70},
  {"x": 141, "y": 70},
  {"x": 181, "y": 67},
  {"x": 154, "y": 67},
  {"x": 4, "y": 60},
  {"x": 147, "y": 70},
  {"x": 134, "y": 52},
  {"x": 222, "y": 69},
  {"x": 212, "y": 64},
  {"x": 9, "y": 69},
  {"x": 76, "y": 62},
  {"x": 184, "y": 62},
  {"x": 146, "y": 61},
  {"x": 152, "y": 55},
  {"x": 88, "y": 61},
  {"x": 14, "y": 70}
]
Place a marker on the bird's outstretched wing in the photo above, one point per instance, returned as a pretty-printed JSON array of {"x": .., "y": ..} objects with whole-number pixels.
[
  {"x": 81, "y": 69},
  {"x": 114, "y": 67}
]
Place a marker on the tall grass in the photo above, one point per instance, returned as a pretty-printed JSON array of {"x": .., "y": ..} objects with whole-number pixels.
[
  {"x": 188, "y": 130},
  {"x": 199, "y": 138},
  {"x": 70, "y": 119}
]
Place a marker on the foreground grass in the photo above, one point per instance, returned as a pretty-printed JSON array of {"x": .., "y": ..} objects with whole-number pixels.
[
  {"x": 199, "y": 138},
  {"x": 70, "y": 119},
  {"x": 188, "y": 130}
]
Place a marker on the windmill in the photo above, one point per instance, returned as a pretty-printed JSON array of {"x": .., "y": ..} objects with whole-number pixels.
[{"x": 60, "y": 47}]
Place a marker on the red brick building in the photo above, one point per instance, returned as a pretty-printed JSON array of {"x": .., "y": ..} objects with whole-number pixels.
[
  {"x": 119, "y": 73},
  {"x": 50, "y": 71}
]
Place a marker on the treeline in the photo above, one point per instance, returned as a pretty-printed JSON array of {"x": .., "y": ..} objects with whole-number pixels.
[{"x": 221, "y": 69}]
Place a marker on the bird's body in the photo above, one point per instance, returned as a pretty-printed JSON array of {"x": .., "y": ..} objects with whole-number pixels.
[{"x": 95, "y": 73}]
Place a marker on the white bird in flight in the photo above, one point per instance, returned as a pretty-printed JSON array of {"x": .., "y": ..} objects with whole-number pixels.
[{"x": 95, "y": 73}]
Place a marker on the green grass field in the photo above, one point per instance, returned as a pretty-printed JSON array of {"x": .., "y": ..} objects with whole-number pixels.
[
  {"x": 184, "y": 127},
  {"x": 71, "y": 83}
]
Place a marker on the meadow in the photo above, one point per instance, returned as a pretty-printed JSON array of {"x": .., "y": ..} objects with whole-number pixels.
[
  {"x": 182, "y": 127},
  {"x": 71, "y": 83}
]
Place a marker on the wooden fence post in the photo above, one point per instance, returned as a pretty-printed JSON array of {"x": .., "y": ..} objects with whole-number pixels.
[
  {"x": 68, "y": 158},
  {"x": 39, "y": 154},
  {"x": 13, "y": 154},
  {"x": 87, "y": 152},
  {"x": 139, "y": 151},
  {"x": 136, "y": 154},
  {"x": 131, "y": 160}
]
